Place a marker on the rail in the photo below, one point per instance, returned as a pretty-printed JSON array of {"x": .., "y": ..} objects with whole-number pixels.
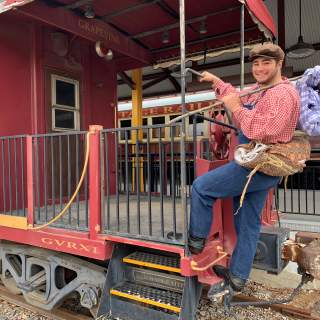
[
  {"x": 302, "y": 194},
  {"x": 13, "y": 175},
  {"x": 140, "y": 183},
  {"x": 58, "y": 159}
]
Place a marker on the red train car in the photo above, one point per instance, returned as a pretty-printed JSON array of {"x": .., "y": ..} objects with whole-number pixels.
[{"x": 72, "y": 220}]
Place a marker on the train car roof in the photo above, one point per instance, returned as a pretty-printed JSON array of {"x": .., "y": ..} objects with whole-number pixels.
[{"x": 148, "y": 32}]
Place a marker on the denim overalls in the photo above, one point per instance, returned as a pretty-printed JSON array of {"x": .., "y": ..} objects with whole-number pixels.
[{"x": 224, "y": 182}]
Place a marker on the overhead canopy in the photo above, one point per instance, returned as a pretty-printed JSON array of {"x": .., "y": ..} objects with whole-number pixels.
[{"x": 153, "y": 25}]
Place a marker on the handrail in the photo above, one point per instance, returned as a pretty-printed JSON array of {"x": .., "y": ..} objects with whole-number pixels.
[{"x": 84, "y": 170}]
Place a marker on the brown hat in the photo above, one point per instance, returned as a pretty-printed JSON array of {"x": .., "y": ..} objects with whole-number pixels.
[{"x": 267, "y": 50}]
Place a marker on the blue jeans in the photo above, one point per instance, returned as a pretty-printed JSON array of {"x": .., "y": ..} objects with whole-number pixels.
[{"x": 224, "y": 182}]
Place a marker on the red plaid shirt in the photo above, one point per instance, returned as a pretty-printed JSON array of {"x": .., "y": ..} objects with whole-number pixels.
[{"x": 275, "y": 115}]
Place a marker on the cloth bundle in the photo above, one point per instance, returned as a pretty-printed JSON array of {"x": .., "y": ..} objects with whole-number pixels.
[
  {"x": 279, "y": 159},
  {"x": 309, "y": 90}
]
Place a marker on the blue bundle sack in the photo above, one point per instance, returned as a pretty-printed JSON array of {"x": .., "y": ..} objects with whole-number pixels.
[{"x": 308, "y": 87}]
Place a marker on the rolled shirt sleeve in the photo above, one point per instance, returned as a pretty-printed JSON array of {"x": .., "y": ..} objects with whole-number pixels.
[{"x": 222, "y": 88}]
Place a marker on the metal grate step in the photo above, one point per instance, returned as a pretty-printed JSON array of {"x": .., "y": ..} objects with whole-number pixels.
[
  {"x": 159, "y": 298},
  {"x": 154, "y": 261}
]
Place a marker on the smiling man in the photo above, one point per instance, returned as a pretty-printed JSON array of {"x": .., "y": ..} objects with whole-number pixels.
[{"x": 269, "y": 116}]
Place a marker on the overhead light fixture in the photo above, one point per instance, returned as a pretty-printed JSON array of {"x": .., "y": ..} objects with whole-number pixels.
[
  {"x": 89, "y": 13},
  {"x": 301, "y": 49},
  {"x": 203, "y": 27},
  {"x": 165, "y": 37}
]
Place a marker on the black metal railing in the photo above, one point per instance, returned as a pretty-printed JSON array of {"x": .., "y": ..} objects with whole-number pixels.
[
  {"x": 170, "y": 173},
  {"x": 302, "y": 195},
  {"x": 13, "y": 175},
  {"x": 140, "y": 180},
  {"x": 57, "y": 164}
]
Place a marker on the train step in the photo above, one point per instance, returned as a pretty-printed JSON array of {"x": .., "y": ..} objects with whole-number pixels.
[
  {"x": 166, "y": 300},
  {"x": 153, "y": 261},
  {"x": 147, "y": 285}
]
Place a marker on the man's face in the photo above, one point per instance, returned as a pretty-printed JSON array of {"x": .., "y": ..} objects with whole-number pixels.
[{"x": 265, "y": 70}]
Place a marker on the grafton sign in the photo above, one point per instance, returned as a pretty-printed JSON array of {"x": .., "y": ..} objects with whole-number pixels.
[{"x": 98, "y": 31}]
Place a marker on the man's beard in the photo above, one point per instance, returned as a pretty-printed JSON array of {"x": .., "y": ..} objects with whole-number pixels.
[{"x": 270, "y": 79}]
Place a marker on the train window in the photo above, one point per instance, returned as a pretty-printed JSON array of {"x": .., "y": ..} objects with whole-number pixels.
[
  {"x": 64, "y": 119},
  {"x": 65, "y": 93},
  {"x": 158, "y": 132},
  {"x": 199, "y": 120},
  {"x": 199, "y": 126},
  {"x": 175, "y": 129},
  {"x": 65, "y": 103},
  {"x": 125, "y": 124},
  {"x": 145, "y": 123}
]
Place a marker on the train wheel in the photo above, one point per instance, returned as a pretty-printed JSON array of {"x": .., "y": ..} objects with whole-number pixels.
[
  {"x": 12, "y": 266},
  {"x": 47, "y": 278}
]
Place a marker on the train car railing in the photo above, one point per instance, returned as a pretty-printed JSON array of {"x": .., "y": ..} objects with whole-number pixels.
[
  {"x": 57, "y": 161},
  {"x": 171, "y": 169},
  {"x": 302, "y": 194},
  {"x": 13, "y": 175},
  {"x": 140, "y": 182}
]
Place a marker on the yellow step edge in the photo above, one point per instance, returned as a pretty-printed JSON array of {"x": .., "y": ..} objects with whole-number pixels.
[
  {"x": 13, "y": 222},
  {"x": 151, "y": 265},
  {"x": 144, "y": 300}
]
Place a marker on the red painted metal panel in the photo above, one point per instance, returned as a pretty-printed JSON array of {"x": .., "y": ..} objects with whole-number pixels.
[
  {"x": 74, "y": 243},
  {"x": 146, "y": 244},
  {"x": 14, "y": 77}
]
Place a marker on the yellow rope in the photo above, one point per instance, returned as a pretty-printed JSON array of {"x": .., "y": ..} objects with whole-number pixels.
[
  {"x": 85, "y": 166},
  {"x": 244, "y": 191}
]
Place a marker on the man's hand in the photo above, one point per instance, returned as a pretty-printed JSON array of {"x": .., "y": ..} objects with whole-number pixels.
[
  {"x": 208, "y": 77},
  {"x": 232, "y": 102}
]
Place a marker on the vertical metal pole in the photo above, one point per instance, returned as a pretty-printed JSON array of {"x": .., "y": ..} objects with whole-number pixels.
[
  {"x": 106, "y": 141},
  {"x": 69, "y": 175},
  {"x": 242, "y": 48},
  {"x": 4, "y": 184},
  {"x": 149, "y": 181},
  {"x": 9, "y": 175},
  {"x": 126, "y": 150},
  {"x": 22, "y": 155},
  {"x": 15, "y": 173},
  {"x": 77, "y": 137},
  {"x": 53, "y": 181},
  {"x": 183, "y": 126},
  {"x": 30, "y": 180},
  {"x": 94, "y": 181},
  {"x": 45, "y": 177}
]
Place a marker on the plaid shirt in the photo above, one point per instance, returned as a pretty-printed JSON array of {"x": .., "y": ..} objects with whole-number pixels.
[
  {"x": 274, "y": 116},
  {"x": 308, "y": 87}
]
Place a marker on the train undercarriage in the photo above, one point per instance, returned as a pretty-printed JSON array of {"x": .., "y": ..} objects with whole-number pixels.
[{"x": 136, "y": 282}]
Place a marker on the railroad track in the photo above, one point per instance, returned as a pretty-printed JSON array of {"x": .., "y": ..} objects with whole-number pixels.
[
  {"x": 64, "y": 314},
  {"x": 58, "y": 314},
  {"x": 282, "y": 308}
]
